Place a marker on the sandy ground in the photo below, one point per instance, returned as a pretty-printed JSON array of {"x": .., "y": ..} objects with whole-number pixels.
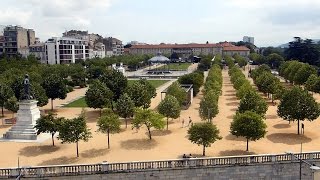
[{"x": 130, "y": 145}]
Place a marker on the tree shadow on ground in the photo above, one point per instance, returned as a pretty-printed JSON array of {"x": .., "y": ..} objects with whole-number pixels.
[
  {"x": 32, "y": 151},
  {"x": 233, "y": 104},
  {"x": 281, "y": 126},
  {"x": 92, "y": 153},
  {"x": 231, "y": 91},
  {"x": 230, "y": 117},
  {"x": 228, "y": 85},
  {"x": 139, "y": 144},
  {"x": 235, "y": 138},
  {"x": 233, "y": 95},
  {"x": 232, "y": 99},
  {"x": 92, "y": 116},
  {"x": 159, "y": 132},
  {"x": 235, "y": 153},
  {"x": 272, "y": 116},
  {"x": 59, "y": 161},
  {"x": 234, "y": 109},
  {"x": 288, "y": 138}
]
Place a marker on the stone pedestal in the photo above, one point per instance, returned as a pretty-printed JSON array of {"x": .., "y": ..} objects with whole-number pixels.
[{"x": 27, "y": 116}]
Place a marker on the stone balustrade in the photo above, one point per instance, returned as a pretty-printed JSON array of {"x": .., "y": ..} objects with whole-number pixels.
[{"x": 88, "y": 169}]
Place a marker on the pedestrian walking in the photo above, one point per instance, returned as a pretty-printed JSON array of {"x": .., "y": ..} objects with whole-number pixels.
[
  {"x": 190, "y": 121},
  {"x": 182, "y": 123}
]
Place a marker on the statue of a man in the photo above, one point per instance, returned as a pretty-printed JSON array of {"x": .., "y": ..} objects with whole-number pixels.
[{"x": 26, "y": 87}]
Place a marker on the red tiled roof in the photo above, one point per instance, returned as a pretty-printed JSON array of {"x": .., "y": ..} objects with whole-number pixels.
[
  {"x": 226, "y": 44},
  {"x": 236, "y": 48},
  {"x": 169, "y": 46}
]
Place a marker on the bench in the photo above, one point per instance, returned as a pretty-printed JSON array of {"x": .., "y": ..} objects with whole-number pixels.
[{"x": 10, "y": 121}]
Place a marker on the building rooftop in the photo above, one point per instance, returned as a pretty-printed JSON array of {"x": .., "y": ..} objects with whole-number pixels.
[
  {"x": 37, "y": 45},
  {"x": 236, "y": 48},
  {"x": 169, "y": 46}
]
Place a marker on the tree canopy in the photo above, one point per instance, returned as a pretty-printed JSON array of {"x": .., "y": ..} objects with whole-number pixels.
[
  {"x": 249, "y": 125},
  {"x": 125, "y": 107},
  {"x": 297, "y": 105},
  {"x": 170, "y": 108},
  {"x": 203, "y": 134}
]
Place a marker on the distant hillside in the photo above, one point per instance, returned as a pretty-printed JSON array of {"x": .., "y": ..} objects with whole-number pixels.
[{"x": 286, "y": 45}]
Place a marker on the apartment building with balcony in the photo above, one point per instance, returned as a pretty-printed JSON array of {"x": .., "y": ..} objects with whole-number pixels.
[
  {"x": 1, "y": 45},
  {"x": 66, "y": 50},
  {"x": 38, "y": 50},
  {"x": 114, "y": 46},
  {"x": 17, "y": 40}
]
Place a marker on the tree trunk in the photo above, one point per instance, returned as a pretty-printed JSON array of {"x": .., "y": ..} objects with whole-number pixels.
[
  {"x": 298, "y": 127},
  {"x": 149, "y": 133},
  {"x": 126, "y": 122},
  {"x": 167, "y": 123},
  {"x": 108, "y": 139},
  {"x": 51, "y": 104},
  {"x": 52, "y": 138},
  {"x": 77, "y": 149},
  {"x": 204, "y": 151},
  {"x": 247, "y": 144},
  {"x": 2, "y": 111}
]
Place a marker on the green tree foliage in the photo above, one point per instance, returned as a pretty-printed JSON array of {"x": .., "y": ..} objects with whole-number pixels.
[
  {"x": 254, "y": 57},
  {"x": 252, "y": 101},
  {"x": 297, "y": 105},
  {"x": 74, "y": 130},
  {"x": 304, "y": 50},
  {"x": 170, "y": 108},
  {"x": 195, "y": 78},
  {"x": 209, "y": 106},
  {"x": 244, "y": 89},
  {"x": 12, "y": 104},
  {"x": 109, "y": 123},
  {"x": 313, "y": 83},
  {"x": 203, "y": 134},
  {"x": 39, "y": 94},
  {"x": 275, "y": 60},
  {"x": 115, "y": 81},
  {"x": 178, "y": 92},
  {"x": 240, "y": 60},
  {"x": 5, "y": 94},
  {"x": 141, "y": 92},
  {"x": 303, "y": 73},
  {"x": 296, "y": 72},
  {"x": 148, "y": 118},
  {"x": 48, "y": 124},
  {"x": 98, "y": 95},
  {"x": 249, "y": 125},
  {"x": 54, "y": 87},
  {"x": 125, "y": 107}
]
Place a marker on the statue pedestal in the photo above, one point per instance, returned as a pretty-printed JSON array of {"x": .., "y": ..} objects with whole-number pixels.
[{"x": 27, "y": 116}]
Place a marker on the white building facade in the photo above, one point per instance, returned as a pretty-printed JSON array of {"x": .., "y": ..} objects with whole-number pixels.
[
  {"x": 248, "y": 39},
  {"x": 66, "y": 50}
]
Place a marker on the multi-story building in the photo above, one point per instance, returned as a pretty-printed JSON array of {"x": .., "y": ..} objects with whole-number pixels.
[
  {"x": 17, "y": 40},
  {"x": 187, "y": 50},
  {"x": 38, "y": 50},
  {"x": 248, "y": 39},
  {"x": 66, "y": 50},
  {"x": 190, "y": 49},
  {"x": 1, "y": 45},
  {"x": 114, "y": 46},
  {"x": 99, "y": 51}
]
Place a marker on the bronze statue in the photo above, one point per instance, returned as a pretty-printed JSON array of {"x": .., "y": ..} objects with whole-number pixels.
[{"x": 26, "y": 87}]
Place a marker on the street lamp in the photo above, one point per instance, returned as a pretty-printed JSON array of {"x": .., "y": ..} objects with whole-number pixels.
[{"x": 312, "y": 166}]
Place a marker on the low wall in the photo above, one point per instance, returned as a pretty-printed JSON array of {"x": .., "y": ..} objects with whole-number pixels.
[{"x": 280, "y": 166}]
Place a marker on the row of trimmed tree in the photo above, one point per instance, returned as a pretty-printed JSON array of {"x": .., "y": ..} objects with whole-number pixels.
[
  {"x": 206, "y": 133},
  {"x": 249, "y": 119}
]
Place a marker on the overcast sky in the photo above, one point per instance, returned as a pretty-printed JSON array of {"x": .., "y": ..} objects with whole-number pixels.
[{"x": 271, "y": 22}]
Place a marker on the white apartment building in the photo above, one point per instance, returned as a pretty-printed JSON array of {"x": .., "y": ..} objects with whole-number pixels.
[
  {"x": 99, "y": 51},
  {"x": 65, "y": 50},
  {"x": 248, "y": 39}
]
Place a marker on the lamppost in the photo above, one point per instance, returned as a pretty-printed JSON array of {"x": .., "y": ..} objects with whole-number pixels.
[{"x": 313, "y": 167}]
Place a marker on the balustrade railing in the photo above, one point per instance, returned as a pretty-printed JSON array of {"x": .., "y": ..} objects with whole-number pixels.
[{"x": 105, "y": 167}]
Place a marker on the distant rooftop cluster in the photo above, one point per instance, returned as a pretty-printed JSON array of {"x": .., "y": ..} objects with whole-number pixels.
[{"x": 81, "y": 45}]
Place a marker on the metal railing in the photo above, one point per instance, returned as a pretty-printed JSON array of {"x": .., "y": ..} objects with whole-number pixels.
[{"x": 87, "y": 169}]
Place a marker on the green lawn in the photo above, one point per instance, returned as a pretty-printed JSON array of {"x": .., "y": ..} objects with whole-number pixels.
[
  {"x": 77, "y": 103},
  {"x": 82, "y": 103},
  {"x": 176, "y": 66}
]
